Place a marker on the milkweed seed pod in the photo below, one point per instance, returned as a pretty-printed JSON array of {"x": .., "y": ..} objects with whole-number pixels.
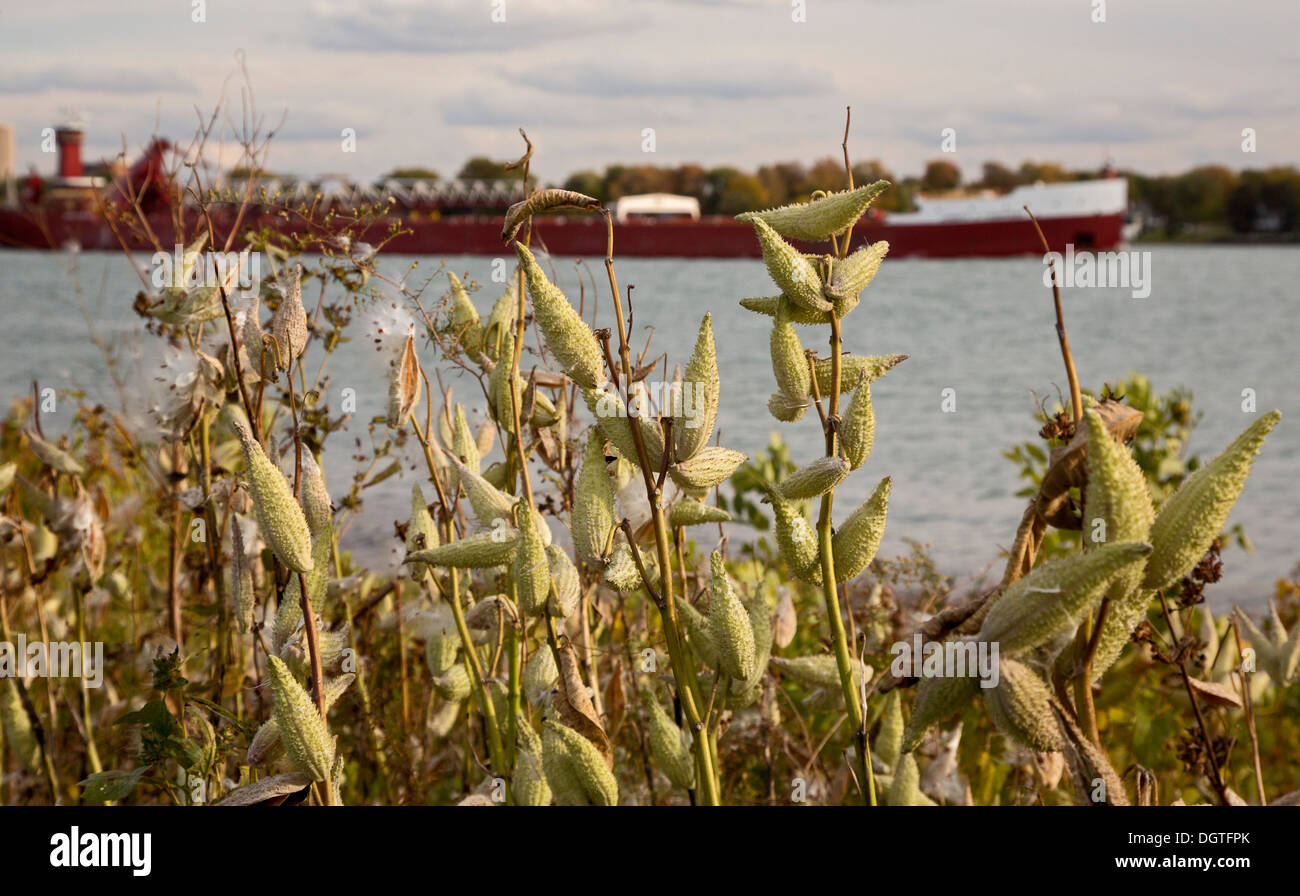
[
  {"x": 745, "y": 693},
  {"x": 529, "y": 787},
  {"x": 821, "y": 671},
  {"x": 501, "y": 318},
  {"x": 567, "y": 335},
  {"x": 1021, "y": 707},
  {"x": 241, "y": 578},
  {"x": 936, "y": 699},
  {"x": 464, "y": 446},
  {"x": 905, "y": 788},
  {"x": 592, "y": 518},
  {"x": 712, "y": 466},
  {"x": 701, "y": 377},
  {"x": 795, "y": 539},
  {"x": 487, "y": 501},
  {"x": 17, "y": 725},
  {"x": 852, "y": 369},
  {"x": 1194, "y": 515},
  {"x": 540, "y": 675},
  {"x": 289, "y": 323},
  {"x": 53, "y": 456},
  {"x": 303, "y": 732},
  {"x": 283, "y": 524},
  {"x": 858, "y": 428},
  {"x": 541, "y": 201},
  {"x": 621, "y": 573},
  {"x": 815, "y": 479},
  {"x": 889, "y": 739},
  {"x": 798, "y": 277},
  {"x": 316, "y": 503},
  {"x": 421, "y": 532},
  {"x": 481, "y": 550},
  {"x": 823, "y": 217},
  {"x": 454, "y": 684},
  {"x": 574, "y": 768},
  {"x": 851, "y": 275},
  {"x": 440, "y": 652},
  {"x": 670, "y": 744},
  {"x": 729, "y": 625},
  {"x": 265, "y": 747},
  {"x": 690, "y": 512},
  {"x": 318, "y": 576},
  {"x": 1279, "y": 651},
  {"x": 464, "y": 319},
  {"x": 404, "y": 384},
  {"x": 855, "y": 543},
  {"x": 612, "y": 418},
  {"x": 531, "y": 572},
  {"x": 568, "y": 585},
  {"x": 697, "y": 628},
  {"x": 287, "y": 616},
  {"x": 785, "y": 409},
  {"x": 250, "y": 335},
  {"x": 774, "y": 305},
  {"x": 789, "y": 363},
  {"x": 7, "y": 472},
  {"x": 1051, "y": 601}
]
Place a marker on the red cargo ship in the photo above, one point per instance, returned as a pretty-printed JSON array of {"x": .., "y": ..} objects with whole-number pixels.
[{"x": 464, "y": 217}]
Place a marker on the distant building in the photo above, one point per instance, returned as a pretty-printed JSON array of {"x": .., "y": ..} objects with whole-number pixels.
[{"x": 8, "y": 161}]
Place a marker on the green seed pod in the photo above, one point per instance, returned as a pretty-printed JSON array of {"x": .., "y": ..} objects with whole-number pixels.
[
  {"x": 796, "y": 539},
  {"x": 745, "y": 693},
  {"x": 316, "y": 503},
  {"x": 815, "y": 479},
  {"x": 303, "y": 732},
  {"x": 905, "y": 788},
  {"x": 17, "y": 727},
  {"x": 464, "y": 319},
  {"x": 531, "y": 572},
  {"x": 855, "y": 543},
  {"x": 283, "y": 524},
  {"x": 540, "y": 676},
  {"x": 250, "y": 335},
  {"x": 574, "y": 768},
  {"x": 701, "y": 377},
  {"x": 500, "y": 319},
  {"x": 479, "y": 551},
  {"x": 421, "y": 532},
  {"x": 488, "y": 502},
  {"x": 785, "y": 409},
  {"x": 774, "y": 305},
  {"x": 789, "y": 363},
  {"x": 690, "y": 512},
  {"x": 1194, "y": 515},
  {"x": 852, "y": 369},
  {"x": 592, "y": 519},
  {"x": 697, "y": 627},
  {"x": 622, "y": 575},
  {"x": 529, "y": 787},
  {"x": 241, "y": 578},
  {"x": 712, "y": 466},
  {"x": 612, "y": 417},
  {"x": 567, "y": 335},
  {"x": 440, "y": 652},
  {"x": 936, "y": 699},
  {"x": 1052, "y": 600},
  {"x": 670, "y": 744},
  {"x": 568, "y": 585},
  {"x": 889, "y": 739},
  {"x": 454, "y": 684},
  {"x": 729, "y": 625},
  {"x": 851, "y": 275},
  {"x": 821, "y": 671},
  {"x": 464, "y": 447},
  {"x": 265, "y": 747},
  {"x": 798, "y": 278},
  {"x": 858, "y": 428},
  {"x": 821, "y": 218},
  {"x": 289, "y": 323},
  {"x": 1021, "y": 707}
]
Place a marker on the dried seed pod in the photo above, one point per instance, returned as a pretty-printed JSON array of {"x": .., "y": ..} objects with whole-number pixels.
[
  {"x": 289, "y": 323},
  {"x": 574, "y": 768},
  {"x": 1194, "y": 515},
  {"x": 821, "y": 671},
  {"x": 712, "y": 466},
  {"x": 798, "y": 278},
  {"x": 592, "y": 519},
  {"x": 53, "y": 456},
  {"x": 858, "y": 428},
  {"x": 454, "y": 684},
  {"x": 404, "y": 384},
  {"x": 821, "y": 218},
  {"x": 785, "y": 409},
  {"x": 729, "y": 627},
  {"x": 316, "y": 503},
  {"x": 670, "y": 744},
  {"x": 1021, "y": 707},
  {"x": 690, "y": 434},
  {"x": 567, "y": 335},
  {"x": 250, "y": 335},
  {"x": 789, "y": 363},
  {"x": 796, "y": 539},
  {"x": 774, "y": 305},
  {"x": 283, "y": 524},
  {"x": 936, "y": 699},
  {"x": 531, "y": 572},
  {"x": 568, "y": 584},
  {"x": 690, "y": 512},
  {"x": 851, "y": 275},
  {"x": 463, "y": 318},
  {"x": 855, "y": 543},
  {"x": 479, "y": 551},
  {"x": 541, "y": 201},
  {"x": 852, "y": 369},
  {"x": 815, "y": 479},
  {"x": 306, "y": 739},
  {"x": 241, "y": 578},
  {"x": 540, "y": 675},
  {"x": 1052, "y": 600}
]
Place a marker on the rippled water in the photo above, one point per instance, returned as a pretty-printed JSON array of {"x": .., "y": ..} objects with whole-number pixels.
[{"x": 1218, "y": 320}]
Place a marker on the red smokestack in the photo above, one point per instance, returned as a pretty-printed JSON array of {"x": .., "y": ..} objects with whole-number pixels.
[{"x": 69, "y": 139}]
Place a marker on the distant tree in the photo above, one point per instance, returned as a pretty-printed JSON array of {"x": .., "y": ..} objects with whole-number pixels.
[
  {"x": 940, "y": 175},
  {"x": 412, "y": 174},
  {"x": 483, "y": 168},
  {"x": 783, "y": 181},
  {"x": 1047, "y": 172},
  {"x": 643, "y": 179},
  {"x": 689, "y": 180},
  {"x": 998, "y": 177},
  {"x": 742, "y": 193},
  {"x": 587, "y": 182},
  {"x": 715, "y": 182},
  {"x": 826, "y": 174}
]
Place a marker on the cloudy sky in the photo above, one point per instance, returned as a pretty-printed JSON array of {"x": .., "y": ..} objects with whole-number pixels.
[{"x": 1161, "y": 85}]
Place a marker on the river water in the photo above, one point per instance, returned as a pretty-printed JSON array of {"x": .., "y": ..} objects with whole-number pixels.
[{"x": 1218, "y": 320}]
